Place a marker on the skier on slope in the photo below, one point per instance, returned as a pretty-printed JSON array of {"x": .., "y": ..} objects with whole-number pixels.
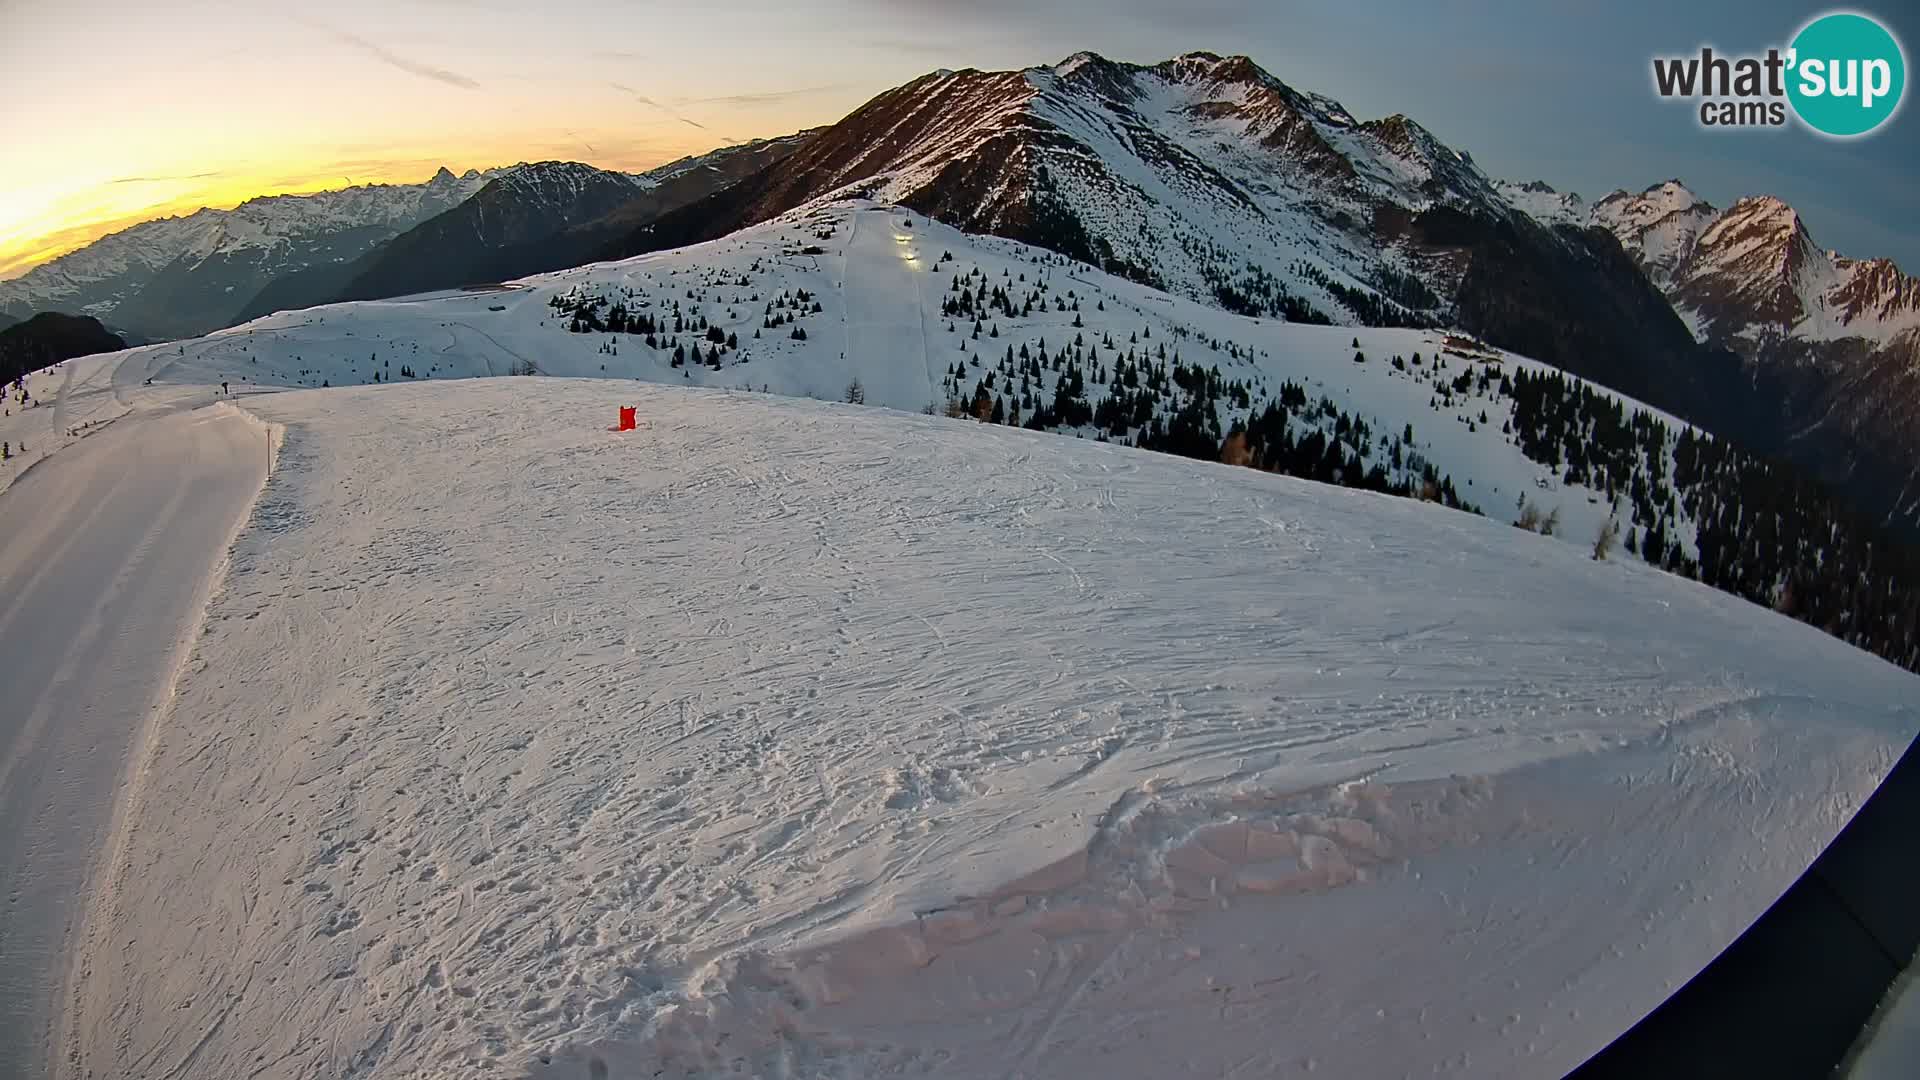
[{"x": 223, "y": 388}]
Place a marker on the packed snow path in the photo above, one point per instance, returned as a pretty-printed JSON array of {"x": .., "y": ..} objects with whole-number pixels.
[
  {"x": 886, "y": 312},
  {"x": 106, "y": 549},
  {"x": 781, "y": 738}
]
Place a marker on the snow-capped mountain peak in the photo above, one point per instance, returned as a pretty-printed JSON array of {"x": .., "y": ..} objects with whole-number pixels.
[
  {"x": 1757, "y": 276},
  {"x": 1066, "y": 68},
  {"x": 1748, "y": 275},
  {"x": 1203, "y": 173},
  {"x": 209, "y": 262},
  {"x": 1654, "y": 202},
  {"x": 1762, "y": 232},
  {"x": 1544, "y": 203},
  {"x": 563, "y": 181},
  {"x": 1753, "y": 272},
  {"x": 1658, "y": 226}
]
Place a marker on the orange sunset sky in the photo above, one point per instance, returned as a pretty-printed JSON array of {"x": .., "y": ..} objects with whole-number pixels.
[{"x": 121, "y": 112}]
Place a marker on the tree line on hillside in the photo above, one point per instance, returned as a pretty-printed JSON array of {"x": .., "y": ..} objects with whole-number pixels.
[
  {"x": 1154, "y": 400},
  {"x": 1760, "y": 529}
]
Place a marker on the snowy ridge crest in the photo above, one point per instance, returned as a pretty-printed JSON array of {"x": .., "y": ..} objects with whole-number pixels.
[{"x": 1750, "y": 275}]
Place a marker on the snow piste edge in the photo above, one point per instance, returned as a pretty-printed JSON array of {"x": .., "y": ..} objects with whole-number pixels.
[{"x": 1792, "y": 993}]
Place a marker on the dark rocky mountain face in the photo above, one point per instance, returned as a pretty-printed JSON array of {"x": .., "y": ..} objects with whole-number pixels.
[
  {"x": 529, "y": 220},
  {"x": 1574, "y": 298},
  {"x": 475, "y": 242},
  {"x": 47, "y": 339},
  {"x": 1847, "y": 410}
]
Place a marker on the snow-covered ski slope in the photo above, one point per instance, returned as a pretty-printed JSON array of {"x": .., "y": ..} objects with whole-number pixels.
[
  {"x": 106, "y": 551},
  {"x": 791, "y": 738},
  {"x": 881, "y": 278}
]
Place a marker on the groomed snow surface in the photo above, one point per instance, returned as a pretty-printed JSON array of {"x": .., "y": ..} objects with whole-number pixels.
[
  {"x": 108, "y": 549},
  {"x": 787, "y": 738}
]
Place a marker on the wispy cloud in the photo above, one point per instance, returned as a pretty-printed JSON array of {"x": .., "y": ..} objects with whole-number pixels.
[
  {"x": 929, "y": 46},
  {"x": 770, "y": 97},
  {"x": 163, "y": 179},
  {"x": 668, "y": 109},
  {"x": 391, "y": 59}
]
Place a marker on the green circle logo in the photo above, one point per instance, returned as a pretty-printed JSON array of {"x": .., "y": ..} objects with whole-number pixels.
[{"x": 1847, "y": 74}]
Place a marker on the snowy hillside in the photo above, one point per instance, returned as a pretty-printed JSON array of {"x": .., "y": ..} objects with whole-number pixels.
[
  {"x": 847, "y": 292},
  {"x": 787, "y": 738},
  {"x": 51, "y": 408}
]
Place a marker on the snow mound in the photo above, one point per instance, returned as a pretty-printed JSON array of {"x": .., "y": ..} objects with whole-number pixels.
[{"x": 778, "y": 737}]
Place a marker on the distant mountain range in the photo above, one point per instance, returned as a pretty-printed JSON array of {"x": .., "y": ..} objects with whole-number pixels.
[
  {"x": 528, "y": 219},
  {"x": 181, "y": 276},
  {"x": 184, "y": 276},
  {"x": 1203, "y": 175}
]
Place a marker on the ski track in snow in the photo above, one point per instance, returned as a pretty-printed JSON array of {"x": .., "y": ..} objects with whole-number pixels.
[
  {"x": 109, "y": 547},
  {"x": 886, "y": 307},
  {"x": 784, "y": 738}
]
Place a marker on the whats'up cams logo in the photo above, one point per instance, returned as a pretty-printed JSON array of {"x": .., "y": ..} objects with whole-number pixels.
[{"x": 1843, "y": 75}]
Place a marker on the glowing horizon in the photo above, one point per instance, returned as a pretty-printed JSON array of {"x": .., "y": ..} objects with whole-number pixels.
[
  {"x": 89, "y": 214},
  {"x": 209, "y": 103}
]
